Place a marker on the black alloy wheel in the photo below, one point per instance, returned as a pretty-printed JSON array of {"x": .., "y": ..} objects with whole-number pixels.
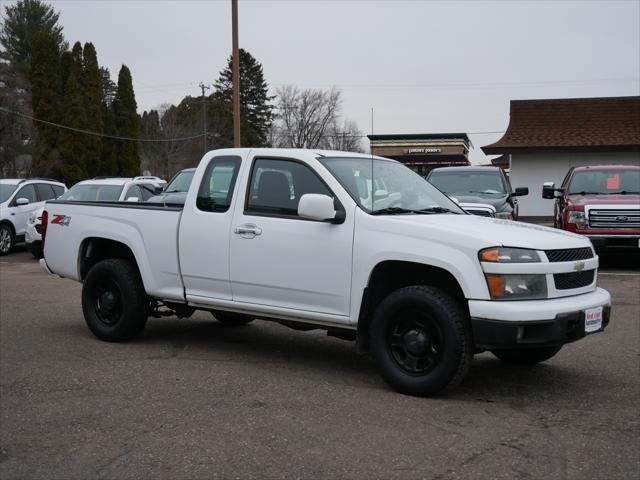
[{"x": 415, "y": 341}]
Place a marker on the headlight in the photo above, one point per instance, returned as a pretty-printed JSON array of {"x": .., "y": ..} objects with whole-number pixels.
[
  {"x": 509, "y": 255},
  {"x": 578, "y": 218},
  {"x": 517, "y": 287},
  {"x": 505, "y": 215}
]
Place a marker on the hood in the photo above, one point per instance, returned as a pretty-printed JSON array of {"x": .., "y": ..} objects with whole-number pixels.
[
  {"x": 497, "y": 202},
  {"x": 603, "y": 200},
  {"x": 482, "y": 232}
]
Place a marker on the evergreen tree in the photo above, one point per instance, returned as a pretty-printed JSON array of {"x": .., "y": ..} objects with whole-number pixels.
[
  {"x": 46, "y": 87},
  {"x": 22, "y": 21},
  {"x": 256, "y": 113},
  {"x": 108, "y": 86},
  {"x": 73, "y": 145},
  {"x": 92, "y": 89},
  {"x": 108, "y": 160},
  {"x": 127, "y": 124}
]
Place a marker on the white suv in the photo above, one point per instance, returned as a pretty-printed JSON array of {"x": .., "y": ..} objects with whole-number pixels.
[
  {"x": 18, "y": 199},
  {"x": 101, "y": 189}
]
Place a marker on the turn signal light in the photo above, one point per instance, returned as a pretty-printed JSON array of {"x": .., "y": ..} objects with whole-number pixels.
[
  {"x": 496, "y": 285},
  {"x": 490, "y": 255}
]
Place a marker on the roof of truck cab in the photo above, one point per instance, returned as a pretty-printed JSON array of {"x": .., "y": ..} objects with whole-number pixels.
[{"x": 293, "y": 152}]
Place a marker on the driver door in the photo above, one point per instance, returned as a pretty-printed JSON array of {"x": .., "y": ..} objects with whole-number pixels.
[
  {"x": 20, "y": 213},
  {"x": 280, "y": 259}
]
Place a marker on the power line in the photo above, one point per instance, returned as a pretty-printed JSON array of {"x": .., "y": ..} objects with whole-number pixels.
[{"x": 98, "y": 134}]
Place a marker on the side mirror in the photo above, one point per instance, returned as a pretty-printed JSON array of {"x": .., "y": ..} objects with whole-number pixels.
[
  {"x": 22, "y": 201},
  {"x": 317, "y": 207},
  {"x": 520, "y": 192},
  {"x": 548, "y": 190},
  {"x": 133, "y": 199}
]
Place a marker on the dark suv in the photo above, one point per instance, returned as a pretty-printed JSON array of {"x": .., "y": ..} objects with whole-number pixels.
[{"x": 482, "y": 191}]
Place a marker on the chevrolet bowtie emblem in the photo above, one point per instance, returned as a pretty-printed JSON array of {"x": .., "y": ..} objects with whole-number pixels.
[{"x": 579, "y": 266}]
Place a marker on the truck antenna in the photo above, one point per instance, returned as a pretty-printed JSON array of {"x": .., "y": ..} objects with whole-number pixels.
[{"x": 371, "y": 150}]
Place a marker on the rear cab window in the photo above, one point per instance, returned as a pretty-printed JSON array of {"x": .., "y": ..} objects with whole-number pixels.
[{"x": 218, "y": 182}]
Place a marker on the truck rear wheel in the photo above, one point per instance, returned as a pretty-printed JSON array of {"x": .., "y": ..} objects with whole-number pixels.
[
  {"x": 114, "y": 301},
  {"x": 231, "y": 319},
  {"x": 421, "y": 340},
  {"x": 526, "y": 356}
]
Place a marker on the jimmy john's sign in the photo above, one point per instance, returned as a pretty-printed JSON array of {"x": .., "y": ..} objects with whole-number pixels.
[{"x": 410, "y": 151}]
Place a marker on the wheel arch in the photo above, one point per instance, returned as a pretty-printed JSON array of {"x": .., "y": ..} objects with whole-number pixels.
[
  {"x": 8, "y": 223},
  {"x": 390, "y": 275},
  {"x": 95, "y": 249}
]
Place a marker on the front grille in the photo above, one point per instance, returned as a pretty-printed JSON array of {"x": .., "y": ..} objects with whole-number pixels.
[
  {"x": 569, "y": 254},
  {"x": 618, "y": 218},
  {"x": 567, "y": 281},
  {"x": 482, "y": 213}
]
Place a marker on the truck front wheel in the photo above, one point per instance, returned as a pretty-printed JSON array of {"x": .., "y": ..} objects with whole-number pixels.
[
  {"x": 526, "y": 356},
  {"x": 421, "y": 340},
  {"x": 114, "y": 301}
]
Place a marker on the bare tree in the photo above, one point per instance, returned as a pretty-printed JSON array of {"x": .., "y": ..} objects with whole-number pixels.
[
  {"x": 166, "y": 156},
  {"x": 303, "y": 116},
  {"x": 344, "y": 136}
]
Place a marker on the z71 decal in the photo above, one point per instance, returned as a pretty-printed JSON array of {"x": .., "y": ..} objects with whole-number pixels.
[{"x": 63, "y": 220}]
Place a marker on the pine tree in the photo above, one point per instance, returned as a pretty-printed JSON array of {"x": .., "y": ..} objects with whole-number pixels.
[
  {"x": 108, "y": 160},
  {"x": 46, "y": 87},
  {"x": 73, "y": 145},
  {"x": 22, "y": 21},
  {"x": 256, "y": 113},
  {"x": 127, "y": 124},
  {"x": 92, "y": 89}
]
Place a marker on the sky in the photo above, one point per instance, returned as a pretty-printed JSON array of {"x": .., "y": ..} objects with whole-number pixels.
[{"x": 422, "y": 66}]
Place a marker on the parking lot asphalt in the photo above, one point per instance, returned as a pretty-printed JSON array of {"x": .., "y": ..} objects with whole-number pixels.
[{"x": 192, "y": 399}]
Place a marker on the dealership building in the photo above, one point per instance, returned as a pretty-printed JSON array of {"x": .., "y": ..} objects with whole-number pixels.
[
  {"x": 547, "y": 137},
  {"x": 422, "y": 152}
]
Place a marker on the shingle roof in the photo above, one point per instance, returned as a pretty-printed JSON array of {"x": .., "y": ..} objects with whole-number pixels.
[{"x": 571, "y": 124}]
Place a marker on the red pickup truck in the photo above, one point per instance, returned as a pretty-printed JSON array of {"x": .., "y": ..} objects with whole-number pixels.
[{"x": 601, "y": 202}]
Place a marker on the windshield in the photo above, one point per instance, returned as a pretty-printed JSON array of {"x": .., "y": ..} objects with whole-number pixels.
[
  {"x": 180, "y": 183},
  {"x": 6, "y": 189},
  {"x": 93, "y": 193},
  {"x": 394, "y": 186},
  {"x": 605, "y": 182},
  {"x": 464, "y": 182}
]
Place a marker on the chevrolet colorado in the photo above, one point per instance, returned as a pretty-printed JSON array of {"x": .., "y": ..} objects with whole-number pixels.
[{"x": 295, "y": 236}]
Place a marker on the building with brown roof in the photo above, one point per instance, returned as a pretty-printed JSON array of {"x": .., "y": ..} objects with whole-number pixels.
[{"x": 547, "y": 137}]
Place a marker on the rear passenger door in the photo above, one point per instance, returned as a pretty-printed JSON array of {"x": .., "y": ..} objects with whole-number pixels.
[
  {"x": 204, "y": 232},
  {"x": 280, "y": 259}
]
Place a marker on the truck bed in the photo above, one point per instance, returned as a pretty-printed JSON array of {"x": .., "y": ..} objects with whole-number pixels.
[{"x": 150, "y": 231}]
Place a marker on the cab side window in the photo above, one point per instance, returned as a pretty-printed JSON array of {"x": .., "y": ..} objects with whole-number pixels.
[
  {"x": 28, "y": 192},
  {"x": 135, "y": 192},
  {"x": 218, "y": 182},
  {"x": 58, "y": 190},
  {"x": 276, "y": 186}
]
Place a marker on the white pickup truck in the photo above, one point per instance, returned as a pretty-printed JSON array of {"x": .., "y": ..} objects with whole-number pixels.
[{"x": 357, "y": 245}]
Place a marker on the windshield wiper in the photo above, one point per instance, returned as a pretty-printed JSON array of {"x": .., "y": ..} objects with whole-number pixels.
[
  {"x": 436, "y": 210},
  {"x": 623, "y": 192},
  {"x": 173, "y": 191},
  {"x": 587, "y": 193},
  {"x": 392, "y": 211}
]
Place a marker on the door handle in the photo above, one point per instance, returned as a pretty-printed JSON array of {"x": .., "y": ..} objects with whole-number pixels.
[{"x": 247, "y": 231}]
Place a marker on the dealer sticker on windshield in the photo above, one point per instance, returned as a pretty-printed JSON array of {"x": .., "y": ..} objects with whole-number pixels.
[{"x": 592, "y": 319}]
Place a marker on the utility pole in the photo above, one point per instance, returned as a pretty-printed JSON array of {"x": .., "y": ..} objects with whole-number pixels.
[
  {"x": 204, "y": 116},
  {"x": 235, "y": 74}
]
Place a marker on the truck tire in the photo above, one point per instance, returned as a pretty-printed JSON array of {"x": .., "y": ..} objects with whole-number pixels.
[
  {"x": 114, "y": 301},
  {"x": 6, "y": 239},
  {"x": 526, "y": 356},
  {"x": 231, "y": 319},
  {"x": 420, "y": 338}
]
